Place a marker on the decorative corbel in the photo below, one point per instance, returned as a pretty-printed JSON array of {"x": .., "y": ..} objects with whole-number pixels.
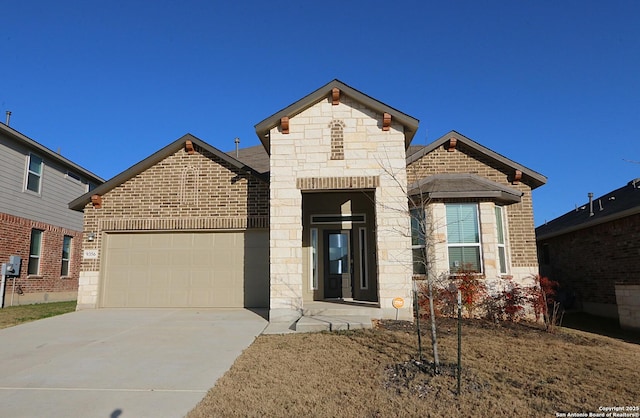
[
  {"x": 517, "y": 176},
  {"x": 335, "y": 96},
  {"x": 452, "y": 144},
  {"x": 96, "y": 201},
  {"x": 188, "y": 146},
  {"x": 386, "y": 121},
  {"x": 284, "y": 124}
]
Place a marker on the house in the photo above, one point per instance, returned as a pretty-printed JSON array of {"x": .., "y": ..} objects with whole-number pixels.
[
  {"x": 36, "y": 185},
  {"x": 593, "y": 252},
  {"x": 317, "y": 212}
]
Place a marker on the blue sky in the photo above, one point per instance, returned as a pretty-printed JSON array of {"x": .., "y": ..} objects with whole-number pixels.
[{"x": 553, "y": 85}]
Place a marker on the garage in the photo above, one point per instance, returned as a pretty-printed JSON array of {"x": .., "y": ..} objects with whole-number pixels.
[{"x": 185, "y": 269}]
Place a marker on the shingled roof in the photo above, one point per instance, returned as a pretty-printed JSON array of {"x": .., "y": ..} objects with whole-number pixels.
[{"x": 617, "y": 204}]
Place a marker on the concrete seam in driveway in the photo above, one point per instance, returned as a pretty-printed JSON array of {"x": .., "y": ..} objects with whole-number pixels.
[{"x": 129, "y": 362}]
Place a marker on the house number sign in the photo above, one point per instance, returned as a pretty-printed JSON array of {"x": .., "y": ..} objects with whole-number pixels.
[{"x": 90, "y": 254}]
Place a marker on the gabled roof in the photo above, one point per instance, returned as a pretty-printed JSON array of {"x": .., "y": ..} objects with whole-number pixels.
[
  {"x": 150, "y": 161},
  {"x": 463, "y": 186},
  {"x": 255, "y": 156},
  {"x": 617, "y": 204},
  {"x": 44, "y": 151},
  {"x": 410, "y": 124},
  {"x": 529, "y": 176}
]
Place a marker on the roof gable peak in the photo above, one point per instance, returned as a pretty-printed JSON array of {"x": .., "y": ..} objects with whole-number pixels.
[{"x": 262, "y": 129}]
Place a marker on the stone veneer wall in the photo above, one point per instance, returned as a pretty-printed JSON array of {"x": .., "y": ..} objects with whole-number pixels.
[
  {"x": 305, "y": 153},
  {"x": 628, "y": 300},
  {"x": 184, "y": 191},
  {"x": 520, "y": 229}
]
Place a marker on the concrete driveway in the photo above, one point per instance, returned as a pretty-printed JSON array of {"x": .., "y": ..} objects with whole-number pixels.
[{"x": 119, "y": 363}]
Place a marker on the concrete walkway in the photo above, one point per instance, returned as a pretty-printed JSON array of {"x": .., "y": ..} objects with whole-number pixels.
[{"x": 120, "y": 363}]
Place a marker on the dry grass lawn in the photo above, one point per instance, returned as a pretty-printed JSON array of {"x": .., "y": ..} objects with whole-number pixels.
[
  {"x": 15, "y": 315},
  {"x": 508, "y": 370}
]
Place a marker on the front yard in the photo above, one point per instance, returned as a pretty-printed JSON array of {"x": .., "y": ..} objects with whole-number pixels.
[
  {"x": 15, "y": 315},
  {"x": 508, "y": 370}
]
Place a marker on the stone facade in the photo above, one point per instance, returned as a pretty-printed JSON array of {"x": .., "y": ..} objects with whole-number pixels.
[
  {"x": 182, "y": 192},
  {"x": 306, "y": 153},
  {"x": 48, "y": 285},
  {"x": 521, "y": 248},
  {"x": 628, "y": 300}
]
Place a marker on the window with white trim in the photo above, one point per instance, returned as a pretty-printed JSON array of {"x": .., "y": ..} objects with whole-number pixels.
[
  {"x": 35, "y": 249},
  {"x": 463, "y": 237},
  {"x": 34, "y": 173},
  {"x": 66, "y": 255},
  {"x": 418, "y": 242},
  {"x": 502, "y": 249}
]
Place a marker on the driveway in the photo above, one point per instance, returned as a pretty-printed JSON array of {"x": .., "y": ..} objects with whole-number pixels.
[{"x": 120, "y": 363}]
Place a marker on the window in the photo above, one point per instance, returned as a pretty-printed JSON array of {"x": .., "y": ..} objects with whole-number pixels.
[
  {"x": 34, "y": 252},
  {"x": 502, "y": 251},
  {"x": 73, "y": 177},
  {"x": 418, "y": 242},
  {"x": 314, "y": 258},
  {"x": 463, "y": 237},
  {"x": 66, "y": 255},
  {"x": 34, "y": 173},
  {"x": 364, "y": 281}
]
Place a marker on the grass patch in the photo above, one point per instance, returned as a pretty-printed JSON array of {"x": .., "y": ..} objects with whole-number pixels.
[
  {"x": 15, "y": 315},
  {"x": 508, "y": 370}
]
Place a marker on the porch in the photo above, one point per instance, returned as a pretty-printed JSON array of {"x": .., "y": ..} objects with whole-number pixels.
[{"x": 329, "y": 316}]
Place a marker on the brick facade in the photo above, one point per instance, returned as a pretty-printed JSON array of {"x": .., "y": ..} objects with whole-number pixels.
[
  {"x": 588, "y": 262},
  {"x": 197, "y": 191},
  {"x": 182, "y": 192},
  {"x": 48, "y": 285},
  {"x": 522, "y": 240}
]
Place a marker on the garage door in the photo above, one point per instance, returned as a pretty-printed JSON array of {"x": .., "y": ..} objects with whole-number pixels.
[{"x": 222, "y": 269}]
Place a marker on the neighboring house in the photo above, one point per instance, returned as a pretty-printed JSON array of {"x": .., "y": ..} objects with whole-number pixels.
[
  {"x": 36, "y": 223},
  {"x": 318, "y": 212},
  {"x": 594, "y": 247}
]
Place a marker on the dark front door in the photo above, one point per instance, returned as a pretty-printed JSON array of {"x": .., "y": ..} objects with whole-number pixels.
[{"x": 337, "y": 265}]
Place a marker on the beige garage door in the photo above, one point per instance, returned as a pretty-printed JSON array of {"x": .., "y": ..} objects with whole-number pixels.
[{"x": 221, "y": 269}]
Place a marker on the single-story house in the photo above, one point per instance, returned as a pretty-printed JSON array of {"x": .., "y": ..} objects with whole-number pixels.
[
  {"x": 593, "y": 251},
  {"x": 318, "y": 212}
]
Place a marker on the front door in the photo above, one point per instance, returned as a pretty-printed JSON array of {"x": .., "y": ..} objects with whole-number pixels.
[{"x": 337, "y": 265}]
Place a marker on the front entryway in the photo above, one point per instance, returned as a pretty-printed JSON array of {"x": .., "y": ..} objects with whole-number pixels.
[
  {"x": 339, "y": 246},
  {"x": 338, "y": 262}
]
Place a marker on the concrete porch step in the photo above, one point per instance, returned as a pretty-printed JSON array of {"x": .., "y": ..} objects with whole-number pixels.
[
  {"x": 317, "y": 309},
  {"x": 317, "y": 323}
]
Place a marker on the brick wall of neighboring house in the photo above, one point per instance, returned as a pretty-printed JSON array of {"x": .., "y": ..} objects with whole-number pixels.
[
  {"x": 590, "y": 261},
  {"x": 48, "y": 285},
  {"x": 184, "y": 191},
  {"x": 522, "y": 239}
]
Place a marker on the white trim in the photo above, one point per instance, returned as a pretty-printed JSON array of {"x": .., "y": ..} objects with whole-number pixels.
[
  {"x": 471, "y": 244},
  {"x": 504, "y": 239},
  {"x": 364, "y": 276},
  {"x": 28, "y": 171}
]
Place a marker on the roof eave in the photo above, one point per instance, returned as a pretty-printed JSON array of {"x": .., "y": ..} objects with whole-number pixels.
[
  {"x": 263, "y": 128},
  {"x": 79, "y": 203},
  {"x": 49, "y": 153},
  {"x": 530, "y": 177},
  {"x": 589, "y": 224}
]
